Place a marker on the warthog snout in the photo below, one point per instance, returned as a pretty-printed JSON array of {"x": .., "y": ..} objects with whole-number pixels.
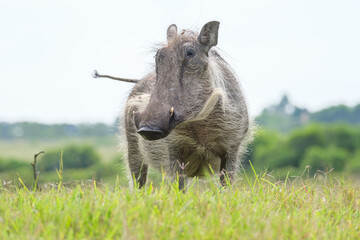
[
  {"x": 154, "y": 130},
  {"x": 151, "y": 132}
]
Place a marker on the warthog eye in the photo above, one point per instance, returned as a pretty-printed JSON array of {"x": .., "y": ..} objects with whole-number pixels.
[
  {"x": 161, "y": 57},
  {"x": 190, "y": 52}
]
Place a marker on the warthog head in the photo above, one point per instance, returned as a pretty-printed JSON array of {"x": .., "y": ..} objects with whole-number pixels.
[{"x": 183, "y": 82}]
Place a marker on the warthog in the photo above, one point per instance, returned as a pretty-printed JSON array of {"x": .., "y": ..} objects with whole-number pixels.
[{"x": 189, "y": 114}]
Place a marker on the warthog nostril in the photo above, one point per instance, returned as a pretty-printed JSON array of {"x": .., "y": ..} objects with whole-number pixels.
[{"x": 151, "y": 132}]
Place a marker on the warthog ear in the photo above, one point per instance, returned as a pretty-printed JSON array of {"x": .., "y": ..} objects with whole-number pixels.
[
  {"x": 171, "y": 31},
  {"x": 208, "y": 36}
]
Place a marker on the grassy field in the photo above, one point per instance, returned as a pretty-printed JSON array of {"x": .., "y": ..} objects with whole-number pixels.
[
  {"x": 255, "y": 207},
  {"x": 24, "y": 149}
]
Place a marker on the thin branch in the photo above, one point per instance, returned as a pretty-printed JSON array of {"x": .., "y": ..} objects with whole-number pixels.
[
  {"x": 95, "y": 74},
  {"x": 34, "y": 169}
]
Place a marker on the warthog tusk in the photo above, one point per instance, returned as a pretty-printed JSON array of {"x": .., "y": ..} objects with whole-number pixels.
[
  {"x": 95, "y": 74},
  {"x": 171, "y": 111}
]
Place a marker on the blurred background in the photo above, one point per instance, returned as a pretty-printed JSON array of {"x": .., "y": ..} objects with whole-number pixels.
[{"x": 298, "y": 63}]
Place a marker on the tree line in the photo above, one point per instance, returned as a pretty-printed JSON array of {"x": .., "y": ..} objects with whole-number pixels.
[
  {"x": 321, "y": 146},
  {"x": 285, "y": 116}
]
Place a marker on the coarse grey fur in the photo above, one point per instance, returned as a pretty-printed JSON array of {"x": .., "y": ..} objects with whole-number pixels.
[{"x": 194, "y": 99}]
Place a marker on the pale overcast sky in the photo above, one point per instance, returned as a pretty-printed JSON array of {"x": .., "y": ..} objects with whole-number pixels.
[{"x": 308, "y": 49}]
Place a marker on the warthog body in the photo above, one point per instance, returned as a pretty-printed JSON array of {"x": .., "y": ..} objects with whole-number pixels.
[{"x": 189, "y": 113}]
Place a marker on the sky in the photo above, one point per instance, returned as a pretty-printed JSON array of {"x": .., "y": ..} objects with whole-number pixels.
[{"x": 306, "y": 49}]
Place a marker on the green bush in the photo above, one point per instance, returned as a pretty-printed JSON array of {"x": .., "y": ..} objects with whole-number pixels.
[
  {"x": 273, "y": 151},
  {"x": 267, "y": 152},
  {"x": 12, "y": 164},
  {"x": 325, "y": 159},
  {"x": 302, "y": 139},
  {"x": 2, "y": 165},
  {"x": 73, "y": 157},
  {"x": 343, "y": 136},
  {"x": 353, "y": 165}
]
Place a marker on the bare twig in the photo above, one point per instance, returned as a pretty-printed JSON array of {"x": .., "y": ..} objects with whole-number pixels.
[
  {"x": 95, "y": 74},
  {"x": 36, "y": 185},
  {"x": 182, "y": 166}
]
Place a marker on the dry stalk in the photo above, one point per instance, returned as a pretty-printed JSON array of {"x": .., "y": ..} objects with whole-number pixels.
[{"x": 36, "y": 185}]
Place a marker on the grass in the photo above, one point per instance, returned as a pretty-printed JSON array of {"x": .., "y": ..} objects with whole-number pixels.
[{"x": 254, "y": 207}]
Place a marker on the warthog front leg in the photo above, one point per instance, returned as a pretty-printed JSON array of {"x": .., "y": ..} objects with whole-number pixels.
[
  {"x": 181, "y": 174},
  {"x": 178, "y": 165},
  {"x": 139, "y": 174},
  {"x": 138, "y": 168},
  {"x": 227, "y": 168}
]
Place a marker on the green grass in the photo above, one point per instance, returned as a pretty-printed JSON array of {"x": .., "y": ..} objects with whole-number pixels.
[{"x": 252, "y": 208}]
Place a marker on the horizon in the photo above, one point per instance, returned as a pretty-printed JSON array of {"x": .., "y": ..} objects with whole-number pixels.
[{"x": 253, "y": 117}]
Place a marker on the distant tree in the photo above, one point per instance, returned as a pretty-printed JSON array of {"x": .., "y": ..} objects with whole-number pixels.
[
  {"x": 283, "y": 116},
  {"x": 339, "y": 113}
]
